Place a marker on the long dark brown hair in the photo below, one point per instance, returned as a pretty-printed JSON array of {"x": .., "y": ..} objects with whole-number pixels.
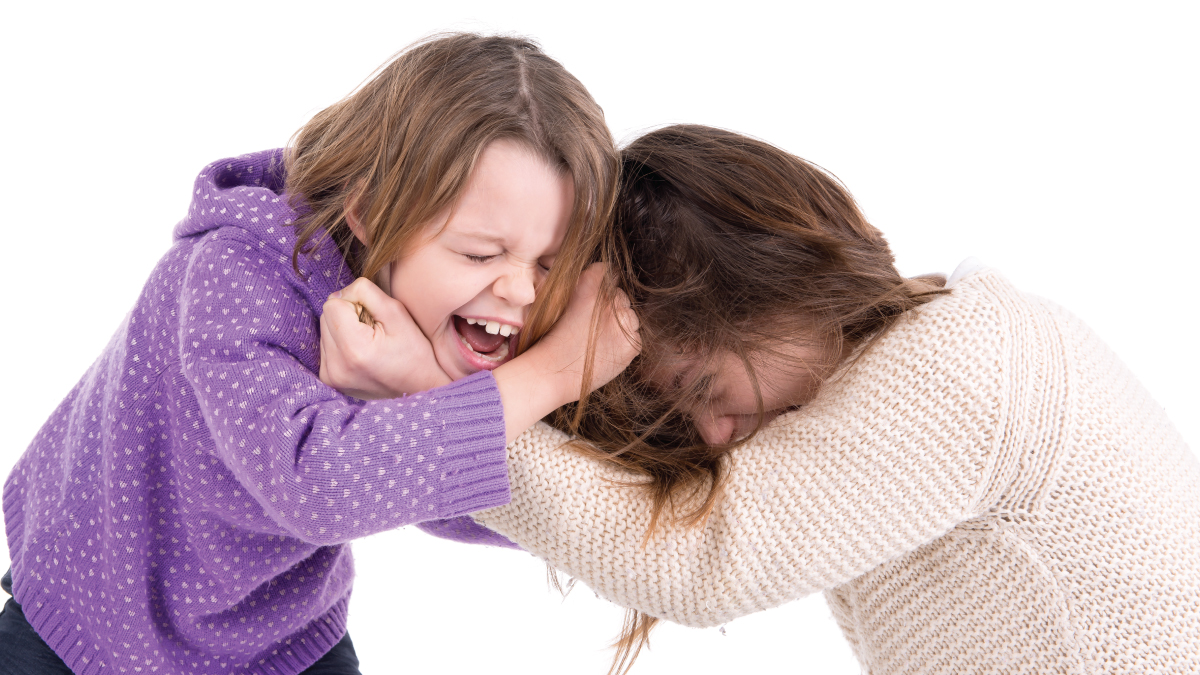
[
  {"x": 727, "y": 245},
  {"x": 401, "y": 149}
]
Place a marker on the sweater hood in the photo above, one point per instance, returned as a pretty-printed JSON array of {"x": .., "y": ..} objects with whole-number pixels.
[{"x": 247, "y": 193}]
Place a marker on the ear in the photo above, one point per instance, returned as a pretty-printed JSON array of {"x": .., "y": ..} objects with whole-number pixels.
[{"x": 351, "y": 208}]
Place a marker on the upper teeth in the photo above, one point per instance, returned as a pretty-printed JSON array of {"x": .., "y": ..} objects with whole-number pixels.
[{"x": 493, "y": 327}]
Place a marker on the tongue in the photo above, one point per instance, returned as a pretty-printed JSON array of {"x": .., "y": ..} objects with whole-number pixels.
[{"x": 479, "y": 339}]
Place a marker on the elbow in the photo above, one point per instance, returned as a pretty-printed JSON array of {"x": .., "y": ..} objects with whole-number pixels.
[{"x": 315, "y": 518}]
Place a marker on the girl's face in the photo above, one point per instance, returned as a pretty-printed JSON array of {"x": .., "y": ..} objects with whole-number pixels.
[
  {"x": 788, "y": 377},
  {"x": 469, "y": 285}
]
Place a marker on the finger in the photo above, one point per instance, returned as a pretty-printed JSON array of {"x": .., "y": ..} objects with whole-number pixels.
[
  {"x": 364, "y": 315},
  {"x": 339, "y": 314},
  {"x": 360, "y": 290},
  {"x": 363, "y": 293},
  {"x": 627, "y": 319},
  {"x": 329, "y": 367},
  {"x": 632, "y": 328},
  {"x": 323, "y": 368}
]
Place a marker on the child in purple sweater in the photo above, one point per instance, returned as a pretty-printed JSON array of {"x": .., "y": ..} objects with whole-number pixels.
[{"x": 187, "y": 508}]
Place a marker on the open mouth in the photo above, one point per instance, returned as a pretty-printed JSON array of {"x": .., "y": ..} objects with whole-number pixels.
[{"x": 487, "y": 344}]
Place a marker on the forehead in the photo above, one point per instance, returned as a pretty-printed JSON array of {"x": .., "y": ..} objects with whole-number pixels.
[
  {"x": 514, "y": 198},
  {"x": 723, "y": 374}
]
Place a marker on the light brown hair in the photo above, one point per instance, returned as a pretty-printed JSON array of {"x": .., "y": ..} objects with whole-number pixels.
[
  {"x": 400, "y": 150},
  {"x": 726, "y": 244}
]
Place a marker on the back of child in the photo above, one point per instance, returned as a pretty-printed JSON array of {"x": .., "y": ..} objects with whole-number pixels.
[
  {"x": 981, "y": 487},
  {"x": 187, "y": 507}
]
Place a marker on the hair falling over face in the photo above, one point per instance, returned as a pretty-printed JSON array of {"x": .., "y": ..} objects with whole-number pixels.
[{"x": 727, "y": 245}]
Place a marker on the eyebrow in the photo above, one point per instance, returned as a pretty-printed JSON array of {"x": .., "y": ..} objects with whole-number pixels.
[
  {"x": 701, "y": 384},
  {"x": 482, "y": 236}
]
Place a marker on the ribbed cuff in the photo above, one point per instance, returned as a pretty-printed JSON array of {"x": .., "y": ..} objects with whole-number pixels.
[
  {"x": 473, "y": 459},
  {"x": 14, "y": 512},
  {"x": 306, "y": 646},
  {"x": 465, "y": 531}
]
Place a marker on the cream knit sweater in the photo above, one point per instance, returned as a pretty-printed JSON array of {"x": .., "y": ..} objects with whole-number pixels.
[{"x": 988, "y": 490}]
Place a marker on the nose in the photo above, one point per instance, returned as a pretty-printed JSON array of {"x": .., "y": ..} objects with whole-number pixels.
[
  {"x": 518, "y": 286},
  {"x": 716, "y": 430}
]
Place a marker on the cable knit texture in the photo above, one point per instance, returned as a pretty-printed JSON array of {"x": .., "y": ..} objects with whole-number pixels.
[
  {"x": 987, "y": 490},
  {"x": 186, "y": 509}
]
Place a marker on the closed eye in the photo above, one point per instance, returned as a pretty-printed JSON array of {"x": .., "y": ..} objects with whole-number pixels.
[
  {"x": 701, "y": 389},
  {"x": 478, "y": 258}
]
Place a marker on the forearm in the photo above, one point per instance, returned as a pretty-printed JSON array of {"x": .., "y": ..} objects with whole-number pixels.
[
  {"x": 528, "y": 393},
  {"x": 569, "y": 510},
  {"x": 322, "y": 467},
  {"x": 550, "y": 374},
  {"x": 327, "y": 469}
]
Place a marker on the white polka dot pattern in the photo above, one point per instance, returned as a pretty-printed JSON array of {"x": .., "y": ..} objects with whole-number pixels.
[
  {"x": 187, "y": 507},
  {"x": 988, "y": 490}
]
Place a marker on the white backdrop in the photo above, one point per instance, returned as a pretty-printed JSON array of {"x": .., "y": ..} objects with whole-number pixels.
[{"x": 1057, "y": 142}]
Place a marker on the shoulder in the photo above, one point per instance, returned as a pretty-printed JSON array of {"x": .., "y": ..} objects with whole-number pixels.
[
  {"x": 243, "y": 200},
  {"x": 974, "y": 281},
  {"x": 974, "y": 314},
  {"x": 227, "y": 262},
  {"x": 236, "y": 295},
  {"x": 241, "y": 263},
  {"x": 965, "y": 269},
  {"x": 981, "y": 301},
  {"x": 955, "y": 352}
]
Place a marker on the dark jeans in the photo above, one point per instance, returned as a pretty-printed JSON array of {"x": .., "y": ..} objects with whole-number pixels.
[{"x": 22, "y": 652}]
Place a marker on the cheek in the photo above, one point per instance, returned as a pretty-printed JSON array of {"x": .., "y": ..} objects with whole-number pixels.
[
  {"x": 460, "y": 287},
  {"x": 419, "y": 292},
  {"x": 739, "y": 399},
  {"x": 787, "y": 387},
  {"x": 446, "y": 294},
  {"x": 429, "y": 286}
]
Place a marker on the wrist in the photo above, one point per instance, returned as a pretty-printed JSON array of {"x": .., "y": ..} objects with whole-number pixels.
[
  {"x": 411, "y": 376},
  {"x": 530, "y": 389},
  {"x": 433, "y": 379},
  {"x": 558, "y": 382}
]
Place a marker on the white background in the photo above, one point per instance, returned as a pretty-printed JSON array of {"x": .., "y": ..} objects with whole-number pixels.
[{"x": 1057, "y": 142}]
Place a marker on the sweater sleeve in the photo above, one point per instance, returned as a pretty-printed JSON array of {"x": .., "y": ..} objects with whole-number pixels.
[
  {"x": 893, "y": 454},
  {"x": 465, "y": 531},
  {"x": 323, "y": 467}
]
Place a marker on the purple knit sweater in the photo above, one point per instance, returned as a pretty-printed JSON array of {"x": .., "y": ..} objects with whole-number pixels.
[{"x": 186, "y": 509}]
